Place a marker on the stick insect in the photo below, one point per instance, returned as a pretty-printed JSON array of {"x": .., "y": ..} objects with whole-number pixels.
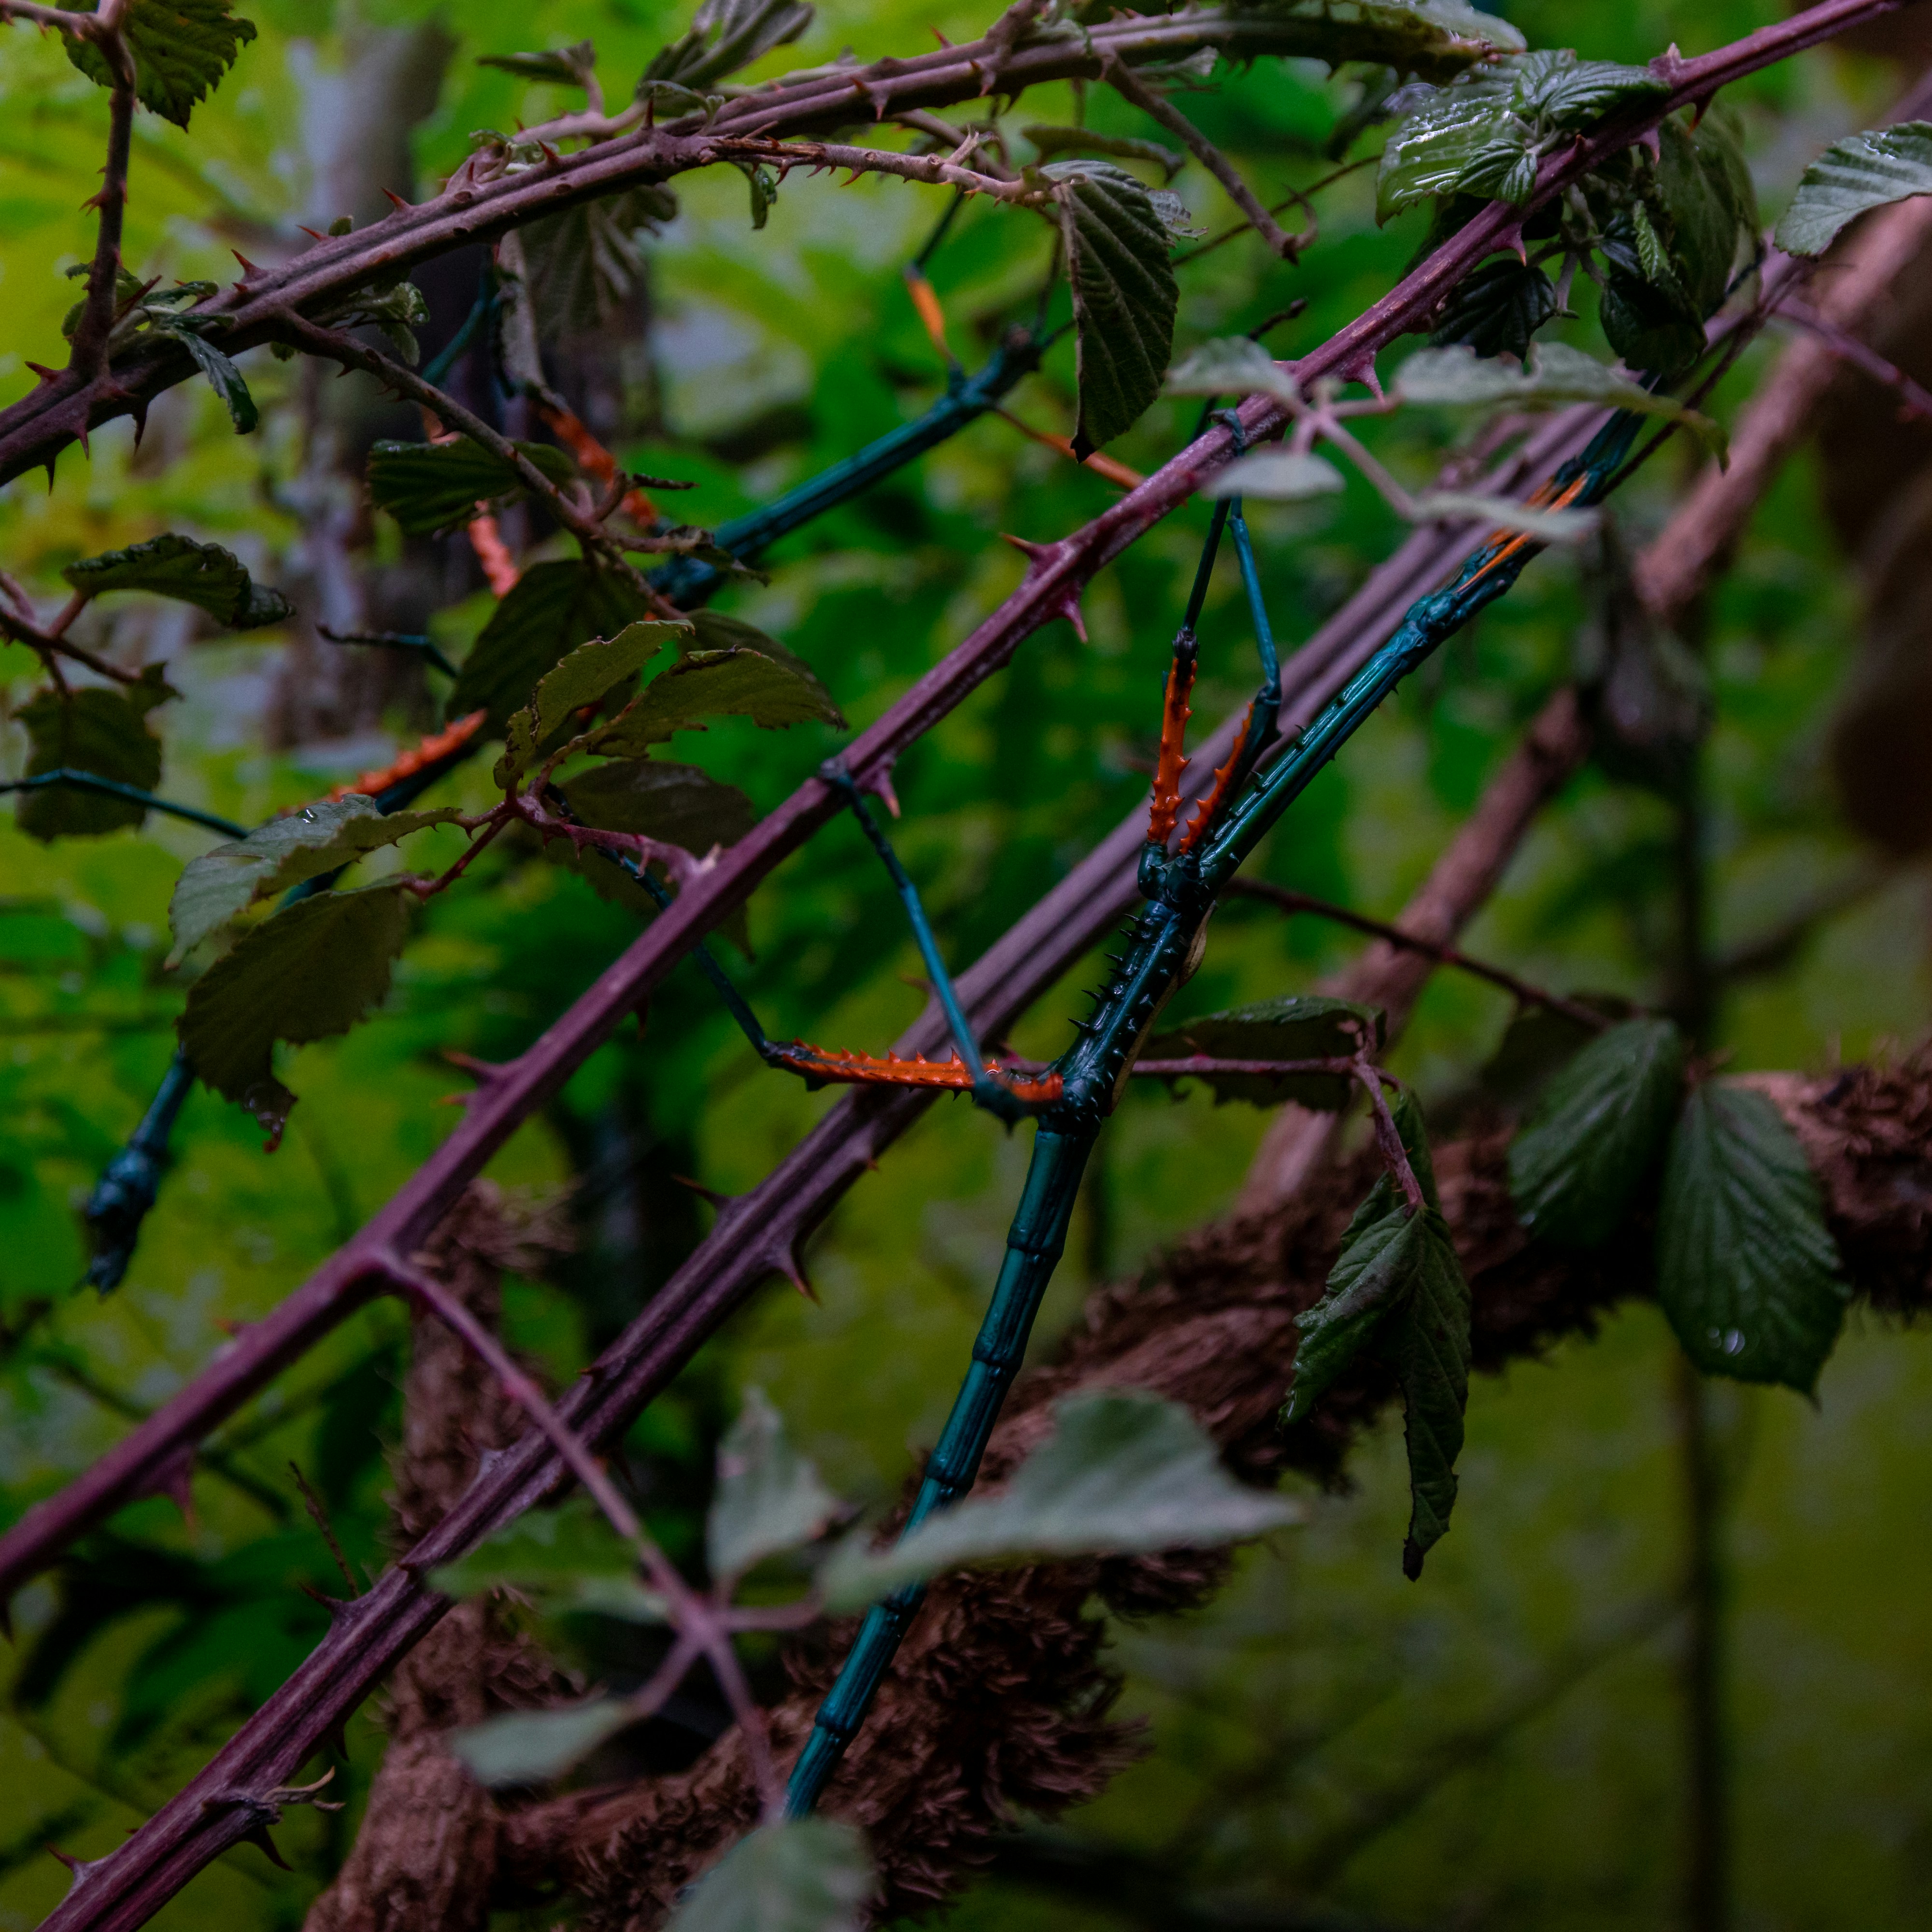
[
  {"x": 129, "y": 1184},
  {"x": 1071, "y": 1099}
]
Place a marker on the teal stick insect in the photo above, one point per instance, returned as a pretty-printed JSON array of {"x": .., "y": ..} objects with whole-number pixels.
[{"x": 1071, "y": 1099}]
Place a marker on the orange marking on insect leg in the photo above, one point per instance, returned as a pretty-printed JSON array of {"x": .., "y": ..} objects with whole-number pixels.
[
  {"x": 1166, "y": 809},
  {"x": 426, "y": 751},
  {"x": 1204, "y": 812},
  {"x": 499, "y": 567},
  {"x": 1538, "y": 499},
  {"x": 925, "y": 299},
  {"x": 865, "y": 1069},
  {"x": 595, "y": 460}
]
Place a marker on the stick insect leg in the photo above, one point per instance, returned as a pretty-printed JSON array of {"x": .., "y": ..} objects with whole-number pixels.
[{"x": 988, "y": 1089}]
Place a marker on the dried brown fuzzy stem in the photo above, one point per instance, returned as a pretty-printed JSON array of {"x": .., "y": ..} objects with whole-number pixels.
[
  {"x": 425, "y": 1857},
  {"x": 999, "y": 1704}
]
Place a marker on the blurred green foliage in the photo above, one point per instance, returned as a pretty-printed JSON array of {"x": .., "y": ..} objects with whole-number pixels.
[{"x": 1500, "y": 1747}]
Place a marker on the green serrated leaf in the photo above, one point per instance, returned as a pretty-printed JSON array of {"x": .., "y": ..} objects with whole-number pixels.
[
  {"x": 299, "y": 845},
  {"x": 430, "y": 487},
  {"x": 1554, "y": 87},
  {"x": 1235, "y": 365},
  {"x": 1853, "y": 176},
  {"x": 805, "y": 1875},
  {"x": 1705, "y": 190},
  {"x": 677, "y": 805},
  {"x": 310, "y": 972},
  {"x": 223, "y": 378},
  {"x": 1433, "y": 38},
  {"x": 1300, "y": 1026},
  {"x": 1547, "y": 526},
  {"x": 727, "y": 677},
  {"x": 1647, "y": 327},
  {"x": 1504, "y": 168},
  {"x": 554, "y": 607},
  {"x": 201, "y": 574},
  {"x": 1651, "y": 256},
  {"x": 585, "y": 677},
  {"x": 585, "y": 264},
  {"x": 533, "y": 1747},
  {"x": 1746, "y": 1270},
  {"x": 1497, "y": 310},
  {"x": 545, "y": 1549},
  {"x": 1397, "y": 1288},
  {"x": 570, "y": 67},
  {"x": 98, "y": 731},
  {"x": 1123, "y": 1471},
  {"x": 1575, "y": 1168},
  {"x": 1425, "y": 153},
  {"x": 764, "y": 186},
  {"x": 726, "y": 35},
  {"x": 181, "y": 49},
  {"x": 1124, "y": 295},
  {"x": 1276, "y": 476},
  {"x": 1557, "y": 374},
  {"x": 768, "y": 1498}
]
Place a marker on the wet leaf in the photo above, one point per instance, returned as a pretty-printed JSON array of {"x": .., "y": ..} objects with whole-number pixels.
[
  {"x": 765, "y": 683},
  {"x": 1300, "y": 1026},
  {"x": 223, "y": 378},
  {"x": 805, "y": 1875},
  {"x": 298, "y": 845},
  {"x": 1425, "y": 153},
  {"x": 1576, "y": 1167},
  {"x": 1433, "y": 38},
  {"x": 201, "y": 574},
  {"x": 1747, "y": 1271},
  {"x": 1862, "y": 172},
  {"x": 1123, "y": 1471},
  {"x": 768, "y": 1498},
  {"x": 429, "y": 487},
  {"x": 97, "y": 731},
  {"x": 554, "y": 607},
  {"x": 181, "y": 49},
  {"x": 1124, "y": 295},
  {"x": 309, "y": 972}
]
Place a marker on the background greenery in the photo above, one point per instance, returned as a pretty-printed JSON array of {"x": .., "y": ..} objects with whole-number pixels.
[{"x": 1499, "y": 1746}]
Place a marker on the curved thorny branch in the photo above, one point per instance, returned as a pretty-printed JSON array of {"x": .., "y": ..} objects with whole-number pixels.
[{"x": 255, "y": 1769}]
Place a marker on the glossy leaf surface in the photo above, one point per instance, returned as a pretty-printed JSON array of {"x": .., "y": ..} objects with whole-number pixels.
[{"x": 1746, "y": 1271}]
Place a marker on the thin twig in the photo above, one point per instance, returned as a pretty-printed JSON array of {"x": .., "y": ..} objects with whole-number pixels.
[
  {"x": 1530, "y": 995},
  {"x": 1287, "y": 246},
  {"x": 91, "y": 335},
  {"x": 319, "y": 1517},
  {"x": 1388, "y": 1138},
  {"x": 1301, "y": 196},
  {"x": 50, "y": 645},
  {"x": 1847, "y": 347},
  {"x": 933, "y": 169},
  {"x": 338, "y": 346}
]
